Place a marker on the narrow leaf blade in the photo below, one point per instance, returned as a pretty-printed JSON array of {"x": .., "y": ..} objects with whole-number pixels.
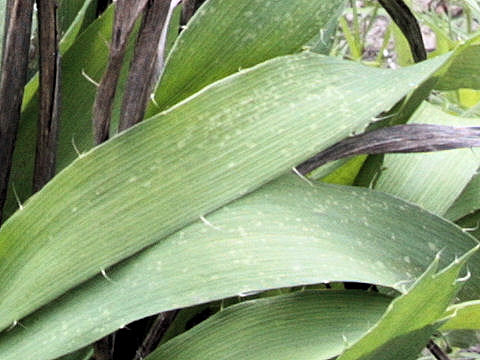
[
  {"x": 305, "y": 325},
  {"x": 412, "y": 318}
]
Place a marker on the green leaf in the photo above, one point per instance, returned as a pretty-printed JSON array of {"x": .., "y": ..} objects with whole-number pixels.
[
  {"x": 345, "y": 174},
  {"x": 471, "y": 224},
  {"x": 468, "y": 201},
  {"x": 257, "y": 31},
  {"x": 402, "y": 48},
  {"x": 68, "y": 11},
  {"x": 355, "y": 47},
  {"x": 285, "y": 234},
  {"x": 464, "y": 70},
  {"x": 226, "y": 141},
  {"x": 302, "y": 325},
  {"x": 410, "y": 320},
  {"x": 464, "y": 316},
  {"x": 421, "y": 178}
]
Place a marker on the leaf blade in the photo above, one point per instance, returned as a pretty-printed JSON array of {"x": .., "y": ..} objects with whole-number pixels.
[
  {"x": 121, "y": 203},
  {"x": 255, "y": 243},
  {"x": 405, "y": 174},
  {"x": 404, "y": 330},
  {"x": 263, "y": 329},
  {"x": 257, "y": 32}
]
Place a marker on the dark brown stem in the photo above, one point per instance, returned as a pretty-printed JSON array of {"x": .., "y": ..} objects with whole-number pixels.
[
  {"x": 189, "y": 7},
  {"x": 155, "y": 333},
  {"x": 406, "y": 21},
  {"x": 12, "y": 81},
  {"x": 141, "y": 77},
  {"x": 410, "y": 138},
  {"x": 48, "y": 119},
  {"x": 436, "y": 351},
  {"x": 126, "y": 13},
  {"x": 103, "y": 348}
]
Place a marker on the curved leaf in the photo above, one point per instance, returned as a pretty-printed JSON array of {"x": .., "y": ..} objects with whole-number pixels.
[
  {"x": 304, "y": 325},
  {"x": 464, "y": 70},
  {"x": 257, "y": 31},
  {"x": 229, "y": 139},
  {"x": 410, "y": 320},
  {"x": 468, "y": 201},
  {"x": 422, "y": 178},
  {"x": 464, "y": 316},
  {"x": 319, "y": 324},
  {"x": 287, "y": 233},
  {"x": 75, "y": 17}
]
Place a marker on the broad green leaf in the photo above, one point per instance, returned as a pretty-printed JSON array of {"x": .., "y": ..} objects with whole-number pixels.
[
  {"x": 431, "y": 180},
  {"x": 410, "y": 320},
  {"x": 464, "y": 70},
  {"x": 302, "y": 325},
  {"x": 285, "y": 234},
  {"x": 468, "y": 202},
  {"x": 464, "y": 316},
  {"x": 225, "y": 36},
  {"x": 222, "y": 143}
]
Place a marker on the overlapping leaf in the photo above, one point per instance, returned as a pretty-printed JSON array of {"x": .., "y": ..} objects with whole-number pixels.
[
  {"x": 85, "y": 58},
  {"x": 304, "y": 325},
  {"x": 421, "y": 178},
  {"x": 464, "y": 316},
  {"x": 464, "y": 70},
  {"x": 410, "y": 320},
  {"x": 88, "y": 57},
  {"x": 285, "y": 234},
  {"x": 224, "y": 142},
  {"x": 257, "y": 31},
  {"x": 468, "y": 202},
  {"x": 320, "y": 324}
]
